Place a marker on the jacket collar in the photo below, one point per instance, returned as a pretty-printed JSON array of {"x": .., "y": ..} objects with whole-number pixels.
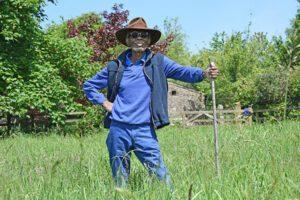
[{"x": 122, "y": 56}]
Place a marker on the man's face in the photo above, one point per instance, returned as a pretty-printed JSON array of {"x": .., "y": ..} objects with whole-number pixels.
[{"x": 138, "y": 40}]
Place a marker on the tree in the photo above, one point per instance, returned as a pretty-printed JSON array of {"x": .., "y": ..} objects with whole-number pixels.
[
  {"x": 101, "y": 36},
  {"x": 246, "y": 63},
  {"x": 37, "y": 72},
  {"x": 28, "y": 82},
  {"x": 177, "y": 49}
]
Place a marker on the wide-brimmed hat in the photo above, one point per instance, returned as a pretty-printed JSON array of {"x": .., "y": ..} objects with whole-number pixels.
[{"x": 138, "y": 24}]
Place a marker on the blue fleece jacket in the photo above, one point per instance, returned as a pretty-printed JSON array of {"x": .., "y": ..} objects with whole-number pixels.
[{"x": 132, "y": 101}]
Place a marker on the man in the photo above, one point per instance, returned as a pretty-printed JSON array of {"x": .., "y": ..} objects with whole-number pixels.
[{"x": 137, "y": 100}]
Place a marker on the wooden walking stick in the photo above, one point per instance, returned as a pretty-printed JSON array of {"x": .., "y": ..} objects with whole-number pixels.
[{"x": 216, "y": 136}]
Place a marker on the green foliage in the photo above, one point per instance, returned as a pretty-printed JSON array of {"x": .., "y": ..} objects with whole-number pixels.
[
  {"x": 100, "y": 35},
  {"x": 177, "y": 50},
  {"x": 294, "y": 87},
  {"x": 292, "y": 50},
  {"x": 92, "y": 122},
  {"x": 253, "y": 68},
  {"x": 20, "y": 33},
  {"x": 61, "y": 30},
  {"x": 249, "y": 66},
  {"x": 19, "y": 19},
  {"x": 30, "y": 78},
  {"x": 71, "y": 58}
]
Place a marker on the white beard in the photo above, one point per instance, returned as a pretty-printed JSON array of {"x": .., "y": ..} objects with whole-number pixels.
[{"x": 138, "y": 49}]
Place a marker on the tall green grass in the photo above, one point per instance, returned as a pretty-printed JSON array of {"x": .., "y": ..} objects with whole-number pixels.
[{"x": 257, "y": 162}]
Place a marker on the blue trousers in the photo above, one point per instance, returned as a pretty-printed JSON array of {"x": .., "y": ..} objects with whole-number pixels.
[{"x": 123, "y": 139}]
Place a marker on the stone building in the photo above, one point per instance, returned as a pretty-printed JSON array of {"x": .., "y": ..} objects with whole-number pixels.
[{"x": 181, "y": 99}]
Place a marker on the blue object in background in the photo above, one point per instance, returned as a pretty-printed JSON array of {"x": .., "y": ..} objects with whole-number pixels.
[{"x": 246, "y": 112}]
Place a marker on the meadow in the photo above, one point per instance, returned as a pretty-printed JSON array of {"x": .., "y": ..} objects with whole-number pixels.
[{"x": 257, "y": 162}]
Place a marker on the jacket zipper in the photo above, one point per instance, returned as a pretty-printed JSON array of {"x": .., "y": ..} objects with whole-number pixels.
[
  {"x": 150, "y": 104},
  {"x": 115, "y": 83}
]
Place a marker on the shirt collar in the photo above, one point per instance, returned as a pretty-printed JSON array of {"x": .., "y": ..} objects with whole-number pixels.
[{"x": 138, "y": 62}]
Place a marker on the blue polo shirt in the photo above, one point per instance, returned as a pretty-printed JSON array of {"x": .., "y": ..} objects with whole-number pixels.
[
  {"x": 132, "y": 103},
  {"x": 133, "y": 100}
]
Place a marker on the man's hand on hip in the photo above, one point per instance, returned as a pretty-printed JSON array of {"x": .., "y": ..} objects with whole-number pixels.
[{"x": 107, "y": 106}]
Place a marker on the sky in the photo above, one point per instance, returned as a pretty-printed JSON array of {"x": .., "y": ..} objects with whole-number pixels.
[{"x": 199, "y": 19}]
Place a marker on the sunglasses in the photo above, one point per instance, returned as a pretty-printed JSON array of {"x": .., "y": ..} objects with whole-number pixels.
[{"x": 136, "y": 34}]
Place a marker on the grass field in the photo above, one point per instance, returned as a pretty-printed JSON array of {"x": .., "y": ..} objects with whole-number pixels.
[{"x": 258, "y": 162}]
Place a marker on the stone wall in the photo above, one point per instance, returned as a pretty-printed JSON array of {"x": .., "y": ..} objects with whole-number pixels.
[{"x": 181, "y": 99}]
